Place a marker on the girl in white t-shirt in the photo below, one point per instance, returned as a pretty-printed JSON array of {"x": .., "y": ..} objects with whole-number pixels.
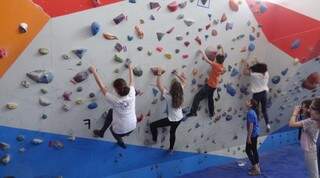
[
  {"x": 310, "y": 132},
  {"x": 174, "y": 98},
  {"x": 122, "y": 117}
]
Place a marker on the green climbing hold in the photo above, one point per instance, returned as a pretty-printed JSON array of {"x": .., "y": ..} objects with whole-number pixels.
[{"x": 118, "y": 59}]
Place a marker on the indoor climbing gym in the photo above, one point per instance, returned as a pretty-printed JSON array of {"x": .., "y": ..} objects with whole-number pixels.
[{"x": 159, "y": 88}]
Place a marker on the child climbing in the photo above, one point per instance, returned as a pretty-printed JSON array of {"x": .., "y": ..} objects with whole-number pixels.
[
  {"x": 304, "y": 113},
  {"x": 259, "y": 78},
  {"x": 252, "y": 138},
  {"x": 174, "y": 98},
  {"x": 310, "y": 131},
  {"x": 212, "y": 83},
  {"x": 122, "y": 116}
]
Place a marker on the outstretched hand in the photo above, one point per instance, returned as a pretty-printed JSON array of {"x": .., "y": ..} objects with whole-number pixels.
[{"x": 92, "y": 69}]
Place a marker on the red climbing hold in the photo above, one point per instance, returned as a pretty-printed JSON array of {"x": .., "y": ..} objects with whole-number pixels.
[
  {"x": 173, "y": 6},
  {"x": 312, "y": 81},
  {"x": 233, "y": 5}
]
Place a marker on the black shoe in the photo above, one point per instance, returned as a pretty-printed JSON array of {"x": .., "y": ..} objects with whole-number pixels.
[
  {"x": 191, "y": 114},
  {"x": 97, "y": 133},
  {"x": 122, "y": 145}
]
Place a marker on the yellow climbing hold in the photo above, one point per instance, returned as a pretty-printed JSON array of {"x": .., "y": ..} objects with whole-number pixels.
[
  {"x": 79, "y": 101},
  {"x": 168, "y": 56},
  {"x": 12, "y": 106}
]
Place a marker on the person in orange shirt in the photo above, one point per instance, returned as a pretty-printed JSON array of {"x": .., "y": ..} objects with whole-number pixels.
[{"x": 212, "y": 83}]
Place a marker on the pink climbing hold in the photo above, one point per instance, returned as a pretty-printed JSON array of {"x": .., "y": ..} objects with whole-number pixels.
[
  {"x": 234, "y": 6},
  {"x": 208, "y": 26},
  {"x": 185, "y": 56},
  {"x": 154, "y": 5},
  {"x": 223, "y": 18},
  {"x": 173, "y": 6},
  {"x": 119, "y": 18},
  {"x": 186, "y": 43},
  {"x": 214, "y": 32},
  {"x": 159, "y": 49},
  {"x": 67, "y": 95},
  {"x": 3, "y": 53},
  {"x": 198, "y": 40}
]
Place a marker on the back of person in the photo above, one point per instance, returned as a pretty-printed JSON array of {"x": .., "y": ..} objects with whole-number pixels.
[
  {"x": 124, "y": 114},
  {"x": 252, "y": 118},
  {"x": 214, "y": 77},
  {"x": 309, "y": 135},
  {"x": 174, "y": 114},
  {"x": 259, "y": 82}
]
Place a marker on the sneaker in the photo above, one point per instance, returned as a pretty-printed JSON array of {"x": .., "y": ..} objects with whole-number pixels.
[
  {"x": 97, "y": 133},
  {"x": 191, "y": 114},
  {"x": 254, "y": 172},
  {"x": 170, "y": 151},
  {"x": 122, "y": 145},
  {"x": 268, "y": 127}
]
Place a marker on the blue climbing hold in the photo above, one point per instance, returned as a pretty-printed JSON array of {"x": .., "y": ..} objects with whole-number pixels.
[
  {"x": 155, "y": 92},
  {"x": 285, "y": 71},
  {"x": 230, "y": 89},
  {"x": 40, "y": 76},
  {"x": 229, "y": 26},
  {"x": 95, "y": 28},
  {"x": 193, "y": 82},
  {"x": 229, "y": 118},
  {"x": 130, "y": 38},
  {"x": 263, "y": 8},
  {"x": 79, "y": 52},
  {"x": 244, "y": 90},
  {"x": 295, "y": 44},
  {"x": 251, "y": 37},
  {"x": 132, "y": 1},
  {"x": 234, "y": 72},
  {"x": 275, "y": 79},
  {"x": 93, "y": 105},
  {"x": 251, "y": 47}
]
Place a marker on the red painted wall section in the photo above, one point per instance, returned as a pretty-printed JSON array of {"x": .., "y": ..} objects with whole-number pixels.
[
  {"x": 63, "y": 7},
  {"x": 282, "y": 26}
]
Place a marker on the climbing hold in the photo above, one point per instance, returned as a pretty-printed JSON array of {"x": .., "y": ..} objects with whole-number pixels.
[
  {"x": 95, "y": 28},
  {"x": 295, "y": 44},
  {"x": 56, "y": 144},
  {"x": 79, "y": 101},
  {"x": 251, "y": 37},
  {"x": 149, "y": 53},
  {"x": 223, "y": 18},
  {"x": 4, "y": 146},
  {"x": 140, "y": 118},
  {"x": 117, "y": 58},
  {"x": 25, "y": 84},
  {"x": 199, "y": 29},
  {"x": 243, "y": 49},
  {"x": 141, "y": 21},
  {"x": 284, "y": 72},
  {"x": 179, "y": 38},
  {"x": 275, "y": 79},
  {"x": 36, "y": 141},
  {"x": 159, "y": 49},
  {"x": 66, "y": 107},
  {"x": 79, "y": 52},
  {"x": 127, "y": 63},
  {"x": 92, "y": 105},
  {"x": 228, "y": 117},
  {"x": 66, "y": 95},
  {"x": 152, "y": 17},
  {"x": 216, "y": 21},
  {"x": 139, "y": 32},
  {"x": 44, "y": 116},
  {"x": 170, "y": 30},
  {"x": 119, "y": 18},
  {"x": 234, "y": 72},
  {"x": 177, "y": 51},
  {"x": 188, "y": 22},
  {"x": 173, "y": 6},
  {"x": 180, "y": 16},
  {"x": 197, "y": 125},
  {"x": 244, "y": 90},
  {"x": 214, "y": 32},
  {"x": 193, "y": 82},
  {"x": 109, "y": 36},
  {"x": 137, "y": 71},
  {"x": 154, "y": 101},
  {"x": 229, "y": 26},
  {"x": 23, "y": 27},
  {"x": 118, "y": 47},
  {"x": 5, "y": 159},
  {"x": 129, "y": 38},
  {"x": 79, "y": 89},
  {"x": 234, "y": 6},
  {"x": 168, "y": 56},
  {"x": 96, "y": 3},
  {"x": 230, "y": 89},
  {"x": 20, "y": 138},
  {"x": 3, "y": 53},
  {"x": 66, "y": 57},
  {"x": 263, "y": 8},
  {"x": 312, "y": 81},
  {"x": 92, "y": 95},
  {"x": 155, "y": 92},
  {"x": 44, "y": 101},
  {"x": 187, "y": 33},
  {"x": 186, "y": 43},
  {"x": 156, "y": 70},
  {"x": 40, "y": 76},
  {"x": 159, "y": 35},
  {"x": 211, "y": 52},
  {"x": 251, "y": 47},
  {"x": 154, "y": 5},
  {"x": 11, "y": 106},
  {"x": 185, "y": 56},
  {"x": 79, "y": 77},
  {"x": 198, "y": 40},
  {"x": 183, "y": 4},
  {"x": 43, "y": 90},
  {"x": 194, "y": 72},
  {"x": 139, "y": 48}
]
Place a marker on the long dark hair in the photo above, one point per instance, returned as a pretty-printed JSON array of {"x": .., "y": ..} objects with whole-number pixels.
[
  {"x": 121, "y": 87},
  {"x": 259, "y": 68},
  {"x": 316, "y": 104},
  {"x": 176, "y": 92},
  {"x": 306, "y": 104}
]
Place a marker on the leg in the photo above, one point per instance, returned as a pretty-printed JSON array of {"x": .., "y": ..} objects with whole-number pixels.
[
  {"x": 118, "y": 137},
  {"x": 202, "y": 94},
  {"x": 255, "y": 150},
  {"x": 311, "y": 163},
  {"x": 173, "y": 128},
  {"x": 107, "y": 122},
  {"x": 264, "y": 107},
  {"x": 256, "y": 97},
  {"x": 249, "y": 153},
  {"x": 210, "y": 101},
  {"x": 154, "y": 127}
]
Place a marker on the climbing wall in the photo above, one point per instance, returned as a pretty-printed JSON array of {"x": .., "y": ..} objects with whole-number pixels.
[{"x": 105, "y": 36}]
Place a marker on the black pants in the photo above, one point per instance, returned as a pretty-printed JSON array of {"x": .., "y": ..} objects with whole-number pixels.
[
  {"x": 261, "y": 98},
  {"x": 205, "y": 92},
  {"x": 163, "y": 123},
  {"x": 252, "y": 152},
  {"x": 107, "y": 123}
]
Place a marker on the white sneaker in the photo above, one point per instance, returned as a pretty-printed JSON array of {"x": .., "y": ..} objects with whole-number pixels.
[{"x": 268, "y": 127}]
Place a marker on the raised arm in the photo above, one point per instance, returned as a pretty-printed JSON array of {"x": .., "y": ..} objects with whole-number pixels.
[
  {"x": 246, "y": 68},
  {"x": 181, "y": 78},
  {"x": 293, "y": 120},
  {"x": 159, "y": 83},
  {"x": 204, "y": 57},
  {"x": 131, "y": 82},
  {"x": 102, "y": 87},
  {"x": 220, "y": 50}
]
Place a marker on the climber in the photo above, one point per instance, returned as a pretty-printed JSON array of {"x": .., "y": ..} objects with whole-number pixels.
[
  {"x": 259, "y": 86},
  {"x": 212, "y": 83},
  {"x": 174, "y": 98},
  {"x": 252, "y": 137},
  {"x": 304, "y": 113},
  {"x": 122, "y": 115},
  {"x": 310, "y": 132}
]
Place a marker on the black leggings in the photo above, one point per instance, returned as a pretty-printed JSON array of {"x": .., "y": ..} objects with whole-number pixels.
[
  {"x": 205, "y": 92},
  {"x": 261, "y": 97},
  {"x": 107, "y": 123},
  {"x": 252, "y": 152},
  {"x": 163, "y": 123}
]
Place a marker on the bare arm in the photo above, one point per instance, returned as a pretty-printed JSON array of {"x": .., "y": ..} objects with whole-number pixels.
[
  {"x": 204, "y": 57},
  {"x": 102, "y": 87},
  {"x": 131, "y": 82},
  {"x": 246, "y": 68},
  {"x": 159, "y": 84},
  {"x": 249, "y": 129},
  {"x": 181, "y": 78},
  {"x": 293, "y": 120}
]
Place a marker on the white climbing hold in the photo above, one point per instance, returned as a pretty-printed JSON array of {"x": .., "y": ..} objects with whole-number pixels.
[
  {"x": 40, "y": 76},
  {"x": 36, "y": 141},
  {"x": 23, "y": 27},
  {"x": 5, "y": 159},
  {"x": 4, "y": 146},
  {"x": 43, "y": 51},
  {"x": 188, "y": 22},
  {"x": 25, "y": 84},
  {"x": 180, "y": 16},
  {"x": 44, "y": 101},
  {"x": 12, "y": 106}
]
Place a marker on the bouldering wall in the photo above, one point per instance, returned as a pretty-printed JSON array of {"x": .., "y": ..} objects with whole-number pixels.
[{"x": 77, "y": 37}]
